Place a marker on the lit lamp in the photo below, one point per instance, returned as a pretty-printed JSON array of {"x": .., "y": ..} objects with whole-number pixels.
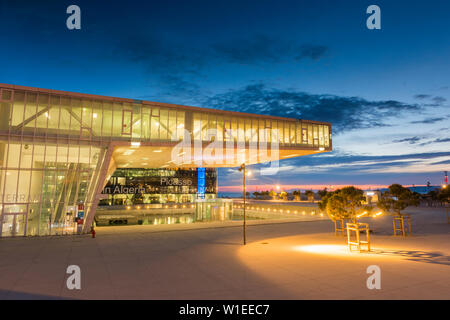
[{"x": 242, "y": 168}]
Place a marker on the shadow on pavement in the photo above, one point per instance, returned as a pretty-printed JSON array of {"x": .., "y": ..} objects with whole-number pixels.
[{"x": 419, "y": 256}]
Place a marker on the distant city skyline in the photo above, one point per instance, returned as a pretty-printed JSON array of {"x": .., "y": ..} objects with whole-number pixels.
[{"x": 386, "y": 92}]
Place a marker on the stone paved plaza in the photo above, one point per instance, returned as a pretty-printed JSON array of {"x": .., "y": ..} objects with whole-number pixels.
[{"x": 295, "y": 260}]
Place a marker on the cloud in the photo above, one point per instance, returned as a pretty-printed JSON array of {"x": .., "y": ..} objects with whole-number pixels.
[
  {"x": 439, "y": 100},
  {"x": 174, "y": 64},
  {"x": 441, "y": 140},
  {"x": 429, "y": 120},
  {"x": 257, "y": 49},
  {"x": 422, "y": 96},
  {"x": 412, "y": 140},
  {"x": 356, "y": 169},
  {"x": 313, "y": 52},
  {"x": 262, "y": 48},
  {"x": 160, "y": 56},
  {"x": 348, "y": 164},
  {"x": 345, "y": 113}
]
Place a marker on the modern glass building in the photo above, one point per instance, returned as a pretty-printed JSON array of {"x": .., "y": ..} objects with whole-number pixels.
[{"x": 59, "y": 149}]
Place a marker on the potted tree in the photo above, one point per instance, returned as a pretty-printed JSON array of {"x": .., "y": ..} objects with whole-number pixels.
[
  {"x": 310, "y": 195},
  {"x": 273, "y": 195},
  {"x": 395, "y": 200},
  {"x": 343, "y": 204}
]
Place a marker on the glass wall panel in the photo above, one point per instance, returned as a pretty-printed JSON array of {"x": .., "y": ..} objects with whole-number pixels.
[
  {"x": 172, "y": 124},
  {"x": 146, "y": 123},
  {"x": 163, "y": 124},
  {"x": 286, "y": 132},
  {"x": 30, "y": 112},
  {"x": 310, "y": 134},
  {"x": 292, "y": 133},
  {"x": 241, "y": 130},
  {"x": 212, "y": 126},
  {"x": 197, "y": 126},
  {"x": 5, "y": 109},
  {"x": 326, "y": 134},
  {"x": 261, "y": 131},
  {"x": 204, "y": 127},
  {"x": 18, "y": 109},
  {"x": 53, "y": 114},
  {"x": 298, "y": 133},
  {"x": 234, "y": 127},
  {"x": 254, "y": 132},
  {"x": 220, "y": 125},
  {"x": 97, "y": 117},
  {"x": 280, "y": 132},
  {"x": 180, "y": 124},
  {"x": 137, "y": 122},
  {"x": 316, "y": 135},
  {"x": 117, "y": 119},
  {"x": 248, "y": 130},
  {"x": 107, "y": 119},
  {"x": 10, "y": 189},
  {"x": 321, "y": 141},
  {"x": 155, "y": 126}
]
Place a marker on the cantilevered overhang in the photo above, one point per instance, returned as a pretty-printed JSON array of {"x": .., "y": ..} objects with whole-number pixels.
[{"x": 171, "y": 156}]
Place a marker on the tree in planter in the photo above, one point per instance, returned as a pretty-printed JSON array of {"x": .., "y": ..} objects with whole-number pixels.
[
  {"x": 273, "y": 194},
  {"x": 397, "y": 199},
  {"x": 444, "y": 196},
  {"x": 310, "y": 195},
  {"x": 265, "y": 194},
  {"x": 296, "y": 194},
  {"x": 344, "y": 203},
  {"x": 283, "y": 195}
]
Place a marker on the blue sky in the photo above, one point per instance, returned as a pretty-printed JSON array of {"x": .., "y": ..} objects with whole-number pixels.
[{"x": 386, "y": 92}]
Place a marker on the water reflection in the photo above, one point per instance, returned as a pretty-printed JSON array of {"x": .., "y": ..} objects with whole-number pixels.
[{"x": 156, "y": 219}]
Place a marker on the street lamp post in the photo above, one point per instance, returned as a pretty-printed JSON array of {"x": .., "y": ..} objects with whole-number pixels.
[{"x": 242, "y": 168}]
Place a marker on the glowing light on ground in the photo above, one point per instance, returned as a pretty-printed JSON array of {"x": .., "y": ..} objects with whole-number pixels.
[{"x": 328, "y": 249}]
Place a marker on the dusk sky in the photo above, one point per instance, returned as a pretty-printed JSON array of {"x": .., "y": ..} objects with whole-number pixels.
[{"x": 386, "y": 92}]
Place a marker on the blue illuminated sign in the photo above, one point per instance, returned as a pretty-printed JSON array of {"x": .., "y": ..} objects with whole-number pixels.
[{"x": 201, "y": 183}]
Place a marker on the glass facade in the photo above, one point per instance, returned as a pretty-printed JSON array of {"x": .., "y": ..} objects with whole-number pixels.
[
  {"x": 44, "y": 172},
  {"x": 55, "y": 147}
]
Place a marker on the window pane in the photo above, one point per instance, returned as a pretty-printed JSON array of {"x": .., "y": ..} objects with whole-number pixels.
[
  {"x": 163, "y": 124},
  {"x": 97, "y": 115},
  {"x": 180, "y": 124},
  {"x": 321, "y": 135},
  {"x": 310, "y": 134},
  {"x": 18, "y": 109},
  {"x": 197, "y": 126},
  {"x": 117, "y": 119},
  {"x": 326, "y": 135},
  {"x": 172, "y": 123},
  {"x": 107, "y": 119}
]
